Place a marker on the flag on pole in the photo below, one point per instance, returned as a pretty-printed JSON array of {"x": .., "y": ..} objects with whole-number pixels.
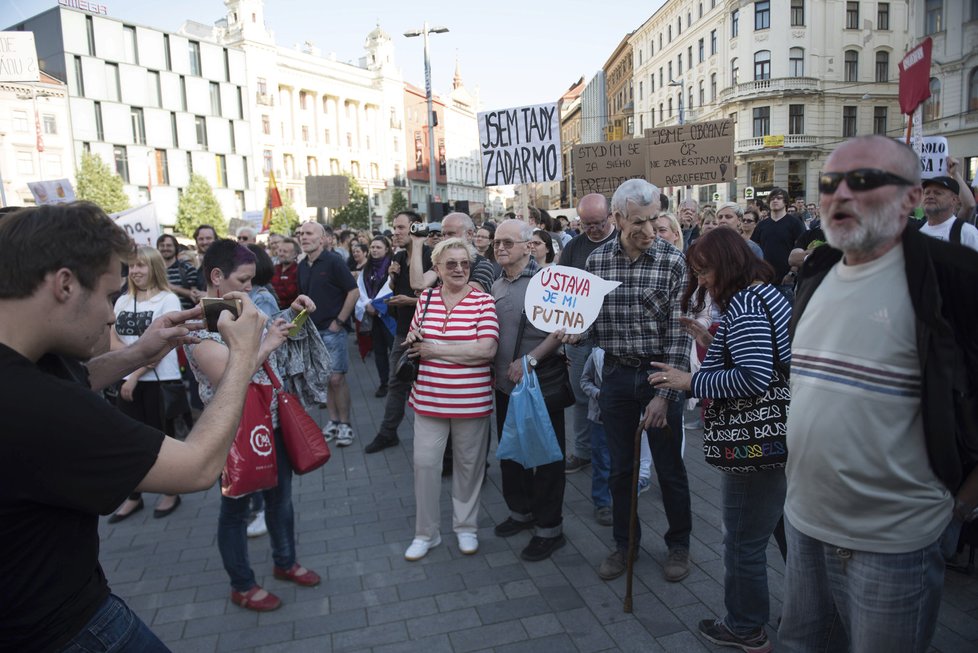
[{"x": 272, "y": 201}]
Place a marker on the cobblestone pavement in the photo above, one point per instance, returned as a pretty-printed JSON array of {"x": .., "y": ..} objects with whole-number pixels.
[{"x": 354, "y": 519}]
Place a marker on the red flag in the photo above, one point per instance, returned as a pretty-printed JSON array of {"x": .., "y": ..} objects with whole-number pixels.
[
  {"x": 915, "y": 77},
  {"x": 37, "y": 128},
  {"x": 272, "y": 201}
]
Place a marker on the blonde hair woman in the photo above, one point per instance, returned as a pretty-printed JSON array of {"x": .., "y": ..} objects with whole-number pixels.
[{"x": 667, "y": 228}]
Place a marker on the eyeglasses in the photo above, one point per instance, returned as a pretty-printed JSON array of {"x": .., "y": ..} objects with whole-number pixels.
[
  {"x": 859, "y": 180},
  {"x": 748, "y": 220},
  {"x": 506, "y": 244},
  {"x": 699, "y": 274},
  {"x": 534, "y": 243},
  {"x": 588, "y": 226},
  {"x": 243, "y": 239},
  {"x": 453, "y": 265}
]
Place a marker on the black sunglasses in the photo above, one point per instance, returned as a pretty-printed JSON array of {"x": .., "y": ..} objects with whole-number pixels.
[{"x": 859, "y": 180}]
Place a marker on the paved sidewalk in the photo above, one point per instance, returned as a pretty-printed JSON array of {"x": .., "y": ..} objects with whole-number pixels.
[{"x": 355, "y": 517}]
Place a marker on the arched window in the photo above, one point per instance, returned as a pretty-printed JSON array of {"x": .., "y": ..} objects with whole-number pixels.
[
  {"x": 851, "y": 66},
  {"x": 882, "y": 66},
  {"x": 734, "y": 70},
  {"x": 762, "y": 65},
  {"x": 932, "y": 105},
  {"x": 796, "y": 62},
  {"x": 670, "y": 107}
]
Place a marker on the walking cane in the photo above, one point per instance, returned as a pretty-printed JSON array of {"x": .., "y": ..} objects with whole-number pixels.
[{"x": 633, "y": 519}]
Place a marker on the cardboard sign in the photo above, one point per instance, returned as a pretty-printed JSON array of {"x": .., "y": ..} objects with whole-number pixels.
[
  {"x": 692, "y": 154},
  {"x": 560, "y": 297},
  {"x": 331, "y": 191},
  {"x": 602, "y": 167},
  {"x": 18, "y": 57},
  {"x": 54, "y": 191},
  {"x": 140, "y": 223},
  {"x": 933, "y": 153},
  {"x": 520, "y": 145}
]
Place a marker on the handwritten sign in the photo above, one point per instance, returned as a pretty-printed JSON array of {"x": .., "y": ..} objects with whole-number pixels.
[
  {"x": 696, "y": 153},
  {"x": 18, "y": 57},
  {"x": 53, "y": 191},
  {"x": 933, "y": 152},
  {"x": 520, "y": 145},
  {"x": 560, "y": 297},
  {"x": 602, "y": 167},
  {"x": 140, "y": 223}
]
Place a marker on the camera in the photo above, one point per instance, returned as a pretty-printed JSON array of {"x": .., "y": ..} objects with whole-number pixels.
[{"x": 420, "y": 229}]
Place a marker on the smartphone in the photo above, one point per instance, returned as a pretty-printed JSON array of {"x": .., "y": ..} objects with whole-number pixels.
[
  {"x": 297, "y": 323},
  {"x": 213, "y": 306}
]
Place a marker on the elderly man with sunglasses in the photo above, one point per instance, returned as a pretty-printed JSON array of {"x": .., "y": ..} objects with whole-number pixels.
[{"x": 883, "y": 348}]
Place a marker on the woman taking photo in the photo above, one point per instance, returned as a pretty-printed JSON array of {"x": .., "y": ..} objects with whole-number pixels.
[
  {"x": 453, "y": 337},
  {"x": 746, "y": 359},
  {"x": 148, "y": 296},
  {"x": 230, "y": 267},
  {"x": 372, "y": 279}
]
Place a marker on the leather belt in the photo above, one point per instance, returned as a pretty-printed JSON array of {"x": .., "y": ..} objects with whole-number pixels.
[{"x": 636, "y": 362}]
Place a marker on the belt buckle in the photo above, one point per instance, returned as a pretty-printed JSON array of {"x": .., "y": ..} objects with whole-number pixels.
[{"x": 630, "y": 361}]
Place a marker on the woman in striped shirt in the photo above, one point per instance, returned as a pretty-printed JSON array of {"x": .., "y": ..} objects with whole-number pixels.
[
  {"x": 721, "y": 263},
  {"x": 454, "y": 334}
]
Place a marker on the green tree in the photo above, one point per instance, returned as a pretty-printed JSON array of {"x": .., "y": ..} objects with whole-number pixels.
[
  {"x": 198, "y": 206},
  {"x": 398, "y": 203},
  {"x": 95, "y": 182},
  {"x": 356, "y": 214},
  {"x": 285, "y": 218}
]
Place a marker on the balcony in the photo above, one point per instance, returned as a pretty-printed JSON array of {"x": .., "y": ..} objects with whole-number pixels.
[
  {"x": 265, "y": 99},
  {"x": 791, "y": 141},
  {"x": 771, "y": 87}
]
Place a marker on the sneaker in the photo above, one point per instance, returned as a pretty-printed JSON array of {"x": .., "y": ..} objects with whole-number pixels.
[
  {"x": 602, "y": 515},
  {"x": 677, "y": 564},
  {"x": 344, "y": 436},
  {"x": 643, "y": 485},
  {"x": 257, "y": 527},
  {"x": 718, "y": 633},
  {"x": 511, "y": 527},
  {"x": 468, "y": 543},
  {"x": 380, "y": 443},
  {"x": 420, "y": 546},
  {"x": 540, "y": 548},
  {"x": 330, "y": 430},
  {"x": 575, "y": 464},
  {"x": 614, "y": 565}
]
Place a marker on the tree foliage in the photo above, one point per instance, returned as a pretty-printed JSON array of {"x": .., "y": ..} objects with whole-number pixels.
[
  {"x": 285, "y": 218},
  {"x": 198, "y": 206},
  {"x": 398, "y": 203},
  {"x": 356, "y": 214},
  {"x": 96, "y": 182}
]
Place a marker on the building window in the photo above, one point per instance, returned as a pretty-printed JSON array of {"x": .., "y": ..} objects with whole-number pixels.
[
  {"x": 761, "y": 174},
  {"x": 762, "y": 121},
  {"x": 797, "y": 13},
  {"x": 162, "y": 171},
  {"x": 112, "y": 88},
  {"x": 933, "y": 16},
  {"x": 670, "y": 107},
  {"x": 267, "y": 161},
  {"x": 679, "y": 60},
  {"x": 231, "y": 139},
  {"x": 240, "y": 103},
  {"x": 651, "y": 83},
  {"x": 670, "y": 71},
  {"x": 848, "y": 121},
  {"x": 713, "y": 86},
  {"x": 200, "y": 123},
  {"x": 734, "y": 23},
  {"x": 121, "y": 162},
  {"x": 25, "y": 163},
  {"x": 796, "y": 62},
  {"x": 879, "y": 120},
  {"x": 701, "y": 50},
  {"x": 883, "y": 16},
  {"x": 852, "y": 15},
  {"x": 79, "y": 77},
  {"x": 153, "y": 88},
  {"x": 215, "y": 90},
  {"x": 138, "y": 126},
  {"x": 266, "y": 125},
  {"x": 679, "y": 25},
  {"x": 194, "y": 52},
  {"x": 713, "y": 42},
  {"x": 689, "y": 57},
  {"x": 305, "y": 134},
  {"x": 640, "y": 91},
  {"x": 190, "y": 164},
  {"x": 762, "y": 65},
  {"x": 183, "y": 93},
  {"x": 973, "y": 90},
  {"x": 166, "y": 51},
  {"x": 661, "y": 83},
  {"x": 762, "y": 14},
  {"x": 129, "y": 52},
  {"x": 222, "y": 170},
  {"x": 734, "y": 71},
  {"x": 932, "y": 105},
  {"x": 669, "y": 32},
  {"x": 99, "y": 130},
  {"x": 50, "y": 123},
  {"x": 227, "y": 66},
  {"x": 796, "y": 118},
  {"x": 262, "y": 86},
  {"x": 312, "y": 165},
  {"x": 327, "y": 139},
  {"x": 882, "y": 66},
  {"x": 851, "y": 66},
  {"x": 797, "y": 173},
  {"x": 702, "y": 93},
  {"x": 974, "y": 9},
  {"x": 90, "y": 34},
  {"x": 20, "y": 121},
  {"x": 303, "y": 100},
  {"x": 173, "y": 129},
  {"x": 244, "y": 172}
]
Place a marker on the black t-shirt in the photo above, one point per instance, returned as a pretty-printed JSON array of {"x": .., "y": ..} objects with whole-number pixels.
[
  {"x": 68, "y": 456},
  {"x": 777, "y": 239},
  {"x": 402, "y": 286},
  {"x": 327, "y": 282},
  {"x": 580, "y": 247}
]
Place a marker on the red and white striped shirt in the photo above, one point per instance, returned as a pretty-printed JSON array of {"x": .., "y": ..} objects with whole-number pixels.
[{"x": 445, "y": 389}]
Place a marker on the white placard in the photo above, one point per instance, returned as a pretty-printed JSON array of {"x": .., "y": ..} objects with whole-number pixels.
[
  {"x": 52, "y": 191},
  {"x": 18, "y": 57},
  {"x": 140, "y": 223},
  {"x": 521, "y": 145},
  {"x": 561, "y": 297}
]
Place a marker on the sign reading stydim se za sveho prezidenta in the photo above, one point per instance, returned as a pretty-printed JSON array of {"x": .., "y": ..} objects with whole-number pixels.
[
  {"x": 692, "y": 154},
  {"x": 602, "y": 167},
  {"x": 521, "y": 145},
  {"x": 560, "y": 297}
]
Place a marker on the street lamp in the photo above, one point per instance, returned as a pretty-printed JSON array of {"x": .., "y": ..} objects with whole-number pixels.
[
  {"x": 679, "y": 83},
  {"x": 432, "y": 179}
]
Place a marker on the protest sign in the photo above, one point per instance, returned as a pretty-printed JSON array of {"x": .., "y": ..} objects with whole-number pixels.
[
  {"x": 520, "y": 145},
  {"x": 140, "y": 223},
  {"x": 52, "y": 191},
  {"x": 602, "y": 167},
  {"x": 253, "y": 219},
  {"x": 18, "y": 57},
  {"x": 933, "y": 153},
  {"x": 331, "y": 191},
  {"x": 692, "y": 154},
  {"x": 915, "y": 76},
  {"x": 561, "y": 297}
]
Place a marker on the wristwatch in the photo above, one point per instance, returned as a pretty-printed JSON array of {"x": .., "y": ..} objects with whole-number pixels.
[{"x": 531, "y": 361}]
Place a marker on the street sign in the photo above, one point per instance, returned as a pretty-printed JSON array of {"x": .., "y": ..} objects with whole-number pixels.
[{"x": 749, "y": 193}]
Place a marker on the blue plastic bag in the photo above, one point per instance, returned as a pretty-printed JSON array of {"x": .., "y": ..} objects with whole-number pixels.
[{"x": 528, "y": 436}]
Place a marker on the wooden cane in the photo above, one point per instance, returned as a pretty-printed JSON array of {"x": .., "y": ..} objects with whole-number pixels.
[{"x": 633, "y": 519}]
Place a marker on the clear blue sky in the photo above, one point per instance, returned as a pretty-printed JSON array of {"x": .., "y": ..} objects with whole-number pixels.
[{"x": 516, "y": 52}]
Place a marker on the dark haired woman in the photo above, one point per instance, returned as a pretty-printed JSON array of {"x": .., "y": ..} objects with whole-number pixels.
[
  {"x": 542, "y": 248},
  {"x": 373, "y": 280},
  {"x": 740, "y": 362}
]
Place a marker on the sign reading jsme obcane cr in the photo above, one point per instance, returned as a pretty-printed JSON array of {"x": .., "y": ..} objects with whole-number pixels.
[{"x": 560, "y": 297}]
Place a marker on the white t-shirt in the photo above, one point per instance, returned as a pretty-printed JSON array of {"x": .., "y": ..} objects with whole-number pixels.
[
  {"x": 969, "y": 234},
  {"x": 133, "y": 317}
]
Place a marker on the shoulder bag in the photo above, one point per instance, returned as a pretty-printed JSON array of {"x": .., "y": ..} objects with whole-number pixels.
[
  {"x": 251, "y": 465},
  {"x": 407, "y": 368},
  {"x": 303, "y": 439}
]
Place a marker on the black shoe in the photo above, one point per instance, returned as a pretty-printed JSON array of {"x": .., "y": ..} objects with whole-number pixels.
[
  {"x": 116, "y": 518},
  {"x": 381, "y": 442},
  {"x": 511, "y": 527},
  {"x": 381, "y": 391},
  {"x": 157, "y": 514},
  {"x": 540, "y": 548}
]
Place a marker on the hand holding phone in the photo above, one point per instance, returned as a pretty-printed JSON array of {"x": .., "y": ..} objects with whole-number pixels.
[
  {"x": 213, "y": 306},
  {"x": 297, "y": 323}
]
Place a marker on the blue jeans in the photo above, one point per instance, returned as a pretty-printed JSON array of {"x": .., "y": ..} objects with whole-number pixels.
[
  {"x": 839, "y": 600},
  {"x": 752, "y": 505},
  {"x": 600, "y": 466},
  {"x": 114, "y": 628},
  {"x": 625, "y": 392},
  {"x": 232, "y": 525}
]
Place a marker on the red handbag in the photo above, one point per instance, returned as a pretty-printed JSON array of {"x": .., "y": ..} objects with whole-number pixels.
[
  {"x": 303, "y": 439},
  {"x": 250, "y": 465}
]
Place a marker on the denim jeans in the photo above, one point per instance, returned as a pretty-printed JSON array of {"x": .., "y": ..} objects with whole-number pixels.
[
  {"x": 840, "y": 600},
  {"x": 114, "y": 628},
  {"x": 600, "y": 466},
  {"x": 232, "y": 525},
  {"x": 577, "y": 354},
  {"x": 752, "y": 505},
  {"x": 625, "y": 392}
]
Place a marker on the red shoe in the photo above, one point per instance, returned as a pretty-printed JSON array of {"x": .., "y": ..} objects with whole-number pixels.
[
  {"x": 246, "y": 600},
  {"x": 298, "y": 575}
]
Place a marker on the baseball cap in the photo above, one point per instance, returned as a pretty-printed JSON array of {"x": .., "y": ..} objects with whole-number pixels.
[{"x": 946, "y": 182}]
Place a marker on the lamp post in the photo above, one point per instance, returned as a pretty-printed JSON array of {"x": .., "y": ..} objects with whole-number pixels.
[
  {"x": 679, "y": 83},
  {"x": 432, "y": 179}
]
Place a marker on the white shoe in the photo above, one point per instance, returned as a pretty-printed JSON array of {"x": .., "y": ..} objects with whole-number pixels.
[
  {"x": 330, "y": 430},
  {"x": 344, "y": 435},
  {"x": 419, "y": 548},
  {"x": 468, "y": 543},
  {"x": 257, "y": 527}
]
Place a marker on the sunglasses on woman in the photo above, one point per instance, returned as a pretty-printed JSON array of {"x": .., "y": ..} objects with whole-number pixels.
[{"x": 861, "y": 179}]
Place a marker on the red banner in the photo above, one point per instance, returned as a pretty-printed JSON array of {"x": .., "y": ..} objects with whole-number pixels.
[{"x": 915, "y": 77}]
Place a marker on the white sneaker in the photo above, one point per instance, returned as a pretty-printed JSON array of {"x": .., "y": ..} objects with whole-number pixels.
[
  {"x": 330, "y": 430},
  {"x": 344, "y": 435},
  {"x": 419, "y": 548},
  {"x": 257, "y": 527},
  {"x": 468, "y": 543}
]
